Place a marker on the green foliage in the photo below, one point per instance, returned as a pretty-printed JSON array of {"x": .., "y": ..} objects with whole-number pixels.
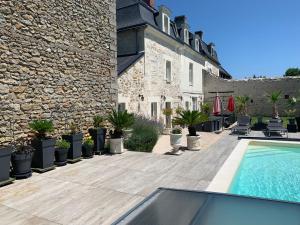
[
  {"x": 179, "y": 110},
  {"x": 62, "y": 144},
  {"x": 292, "y": 72},
  {"x": 42, "y": 127},
  {"x": 144, "y": 136},
  {"x": 190, "y": 119},
  {"x": 205, "y": 108},
  {"x": 242, "y": 104},
  {"x": 74, "y": 128},
  {"x": 168, "y": 111},
  {"x": 120, "y": 121},
  {"x": 88, "y": 143},
  {"x": 274, "y": 96},
  {"x": 177, "y": 130},
  {"x": 98, "y": 120}
]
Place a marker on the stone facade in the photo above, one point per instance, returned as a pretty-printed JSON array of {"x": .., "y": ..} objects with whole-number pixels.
[
  {"x": 256, "y": 89},
  {"x": 57, "y": 61}
]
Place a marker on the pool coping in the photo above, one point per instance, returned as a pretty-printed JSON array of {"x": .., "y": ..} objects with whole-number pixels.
[{"x": 223, "y": 179}]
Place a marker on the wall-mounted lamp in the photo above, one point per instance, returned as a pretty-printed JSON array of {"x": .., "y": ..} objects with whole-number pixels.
[
  {"x": 181, "y": 98},
  {"x": 163, "y": 97},
  {"x": 142, "y": 97}
]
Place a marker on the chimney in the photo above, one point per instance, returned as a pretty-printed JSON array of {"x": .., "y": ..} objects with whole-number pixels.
[
  {"x": 200, "y": 34},
  {"x": 150, "y": 3}
]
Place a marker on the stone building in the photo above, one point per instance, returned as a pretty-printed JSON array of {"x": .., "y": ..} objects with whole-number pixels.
[
  {"x": 57, "y": 61},
  {"x": 160, "y": 62}
]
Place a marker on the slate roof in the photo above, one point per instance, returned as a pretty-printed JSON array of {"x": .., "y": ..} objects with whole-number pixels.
[
  {"x": 135, "y": 13},
  {"x": 124, "y": 62}
]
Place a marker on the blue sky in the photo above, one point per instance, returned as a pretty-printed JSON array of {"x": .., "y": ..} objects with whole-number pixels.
[{"x": 260, "y": 37}]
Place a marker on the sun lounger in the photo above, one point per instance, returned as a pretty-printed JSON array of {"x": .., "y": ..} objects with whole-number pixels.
[
  {"x": 276, "y": 127},
  {"x": 243, "y": 125}
]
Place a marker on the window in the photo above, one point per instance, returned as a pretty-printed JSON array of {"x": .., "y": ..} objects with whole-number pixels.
[
  {"x": 168, "y": 71},
  {"x": 187, "y": 105},
  {"x": 166, "y": 24},
  {"x": 197, "y": 47},
  {"x": 191, "y": 74},
  {"x": 186, "y": 36},
  {"x": 121, "y": 107},
  {"x": 194, "y": 100},
  {"x": 154, "y": 110}
]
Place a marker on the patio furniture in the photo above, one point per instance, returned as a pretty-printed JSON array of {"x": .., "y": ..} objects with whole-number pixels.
[
  {"x": 243, "y": 125},
  {"x": 275, "y": 126}
]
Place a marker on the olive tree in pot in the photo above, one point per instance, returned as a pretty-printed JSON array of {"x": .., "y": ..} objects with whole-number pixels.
[
  {"x": 291, "y": 112},
  {"x": 119, "y": 121},
  {"x": 43, "y": 158},
  {"x": 87, "y": 148},
  {"x": 191, "y": 119},
  {"x": 98, "y": 134},
  {"x": 5, "y": 155},
  {"x": 61, "y": 152},
  {"x": 21, "y": 160},
  {"x": 75, "y": 139}
]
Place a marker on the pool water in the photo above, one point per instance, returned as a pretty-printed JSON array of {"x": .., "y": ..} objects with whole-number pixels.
[{"x": 269, "y": 172}]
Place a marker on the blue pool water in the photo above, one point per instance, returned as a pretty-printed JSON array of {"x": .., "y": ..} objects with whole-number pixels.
[{"x": 269, "y": 172}]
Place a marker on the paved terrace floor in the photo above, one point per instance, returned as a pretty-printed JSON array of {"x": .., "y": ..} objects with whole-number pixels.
[{"x": 99, "y": 190}]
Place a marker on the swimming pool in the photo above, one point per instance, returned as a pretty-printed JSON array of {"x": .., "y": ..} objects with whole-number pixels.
[{"x": 267, "y": 169}]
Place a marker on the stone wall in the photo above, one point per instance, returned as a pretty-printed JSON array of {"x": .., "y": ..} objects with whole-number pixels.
[
  {"x": 57, "y": 60},
  {"x": 256, "y": 89}
]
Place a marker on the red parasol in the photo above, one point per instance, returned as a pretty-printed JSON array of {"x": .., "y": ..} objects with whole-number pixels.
[
  {"x": 217, "y": 106},
  {"x": 230, "y": 106}
]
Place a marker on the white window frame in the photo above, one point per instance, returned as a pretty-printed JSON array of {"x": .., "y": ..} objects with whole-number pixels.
[
  {"x": 187, "y": 105},
  {"x": 195, "y": 103},
  {"x": 163, "y": 23},
  {"x": 191, "y": 74},
  {"x": 197, "y": 45},
  {"x": 168, "y": 79},
  {"x": 186, "y": 36}
]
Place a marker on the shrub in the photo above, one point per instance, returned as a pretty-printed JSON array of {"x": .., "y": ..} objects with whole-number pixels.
[
  {"x": 74, "y": 128},
  {"x": 88, "y": 143},
  {"x": 42, "y": 127},
  {"x": 168, "y": 112},
  {"x": 177, "y": 130},
  {"x": 23, "y": 147},
  {"x": 62, "y": 144},
  {"x": 97, "y": 121},
  {"x": 144, "y": 136}
]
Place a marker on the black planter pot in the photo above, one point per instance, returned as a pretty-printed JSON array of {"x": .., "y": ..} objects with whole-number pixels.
[
  {"x": 298, "y": 122},
  {"x": 98, "y": 136},
  {"x": 43, "y": 157},
  {"x": 76, "y": 145},
  {"x": 61, "y": 156},
  {"x": 87, "y": 152},
  {"x": 21, "y": 163},
  {"x": 5, "y": 155}
]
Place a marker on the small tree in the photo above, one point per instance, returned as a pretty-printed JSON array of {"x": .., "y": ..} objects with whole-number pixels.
[
  {"x": 292, "y": 72},
  {"x": 242, "y": 104},
  {"x": 274, "y": 98},
  {"x": 291, "y": 111}
]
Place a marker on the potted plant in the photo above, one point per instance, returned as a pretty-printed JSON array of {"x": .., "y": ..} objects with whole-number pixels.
[
  {"x": 43, "y": 157},
  {"x": 21, "y": 160},
  {"x": 119, "y": 121},
  {"x": 176, "y": 137},
  {"x": 75, "y": 139},
  {"x": 5, "y": 155},
  {"x": 291, "y": 111},
  {"x": 98, "y": 134},
  {"x": 191, "y": 119},
  {"x": 242, "y": 105},
  {"x": 168, "y": 112},
  {"x": 274, "y": 98},
  {"x": 87, "y": 148},
  {"x": 61, "y": 152}
]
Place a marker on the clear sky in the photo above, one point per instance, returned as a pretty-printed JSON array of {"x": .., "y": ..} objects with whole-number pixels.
[{"x": 260, "y": 37}]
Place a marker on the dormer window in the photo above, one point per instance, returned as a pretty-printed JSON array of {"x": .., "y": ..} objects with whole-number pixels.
[
  {"x": 197, "y": 46},
  {"x": 166, "y": 24},
  {"x": 186, "y": 36}
]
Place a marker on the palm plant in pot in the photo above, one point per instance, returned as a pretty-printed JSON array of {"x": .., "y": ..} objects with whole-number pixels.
[
  {"x": 98, "y": 134},
  {"x": 61, "y": 152},
  {"x": 191, "y": 119},
  {"x": 242, "y": 105},
  {"x": 274, "y": 97},
  {"x": 5, "y": 155},
  {"x": 119, "y": 121},
  {"x": 87, "y": 148},
  {"x": 21, "y": 159},
  {"x": 43, "y": 158},
  {"x": 75, "y": 139}
]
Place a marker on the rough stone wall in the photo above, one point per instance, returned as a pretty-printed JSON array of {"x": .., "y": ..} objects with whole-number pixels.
[
  {"x": 256, "y": 89},
  {"x": 131, "y": 85},
  {"x": 57, "y": 60}
]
